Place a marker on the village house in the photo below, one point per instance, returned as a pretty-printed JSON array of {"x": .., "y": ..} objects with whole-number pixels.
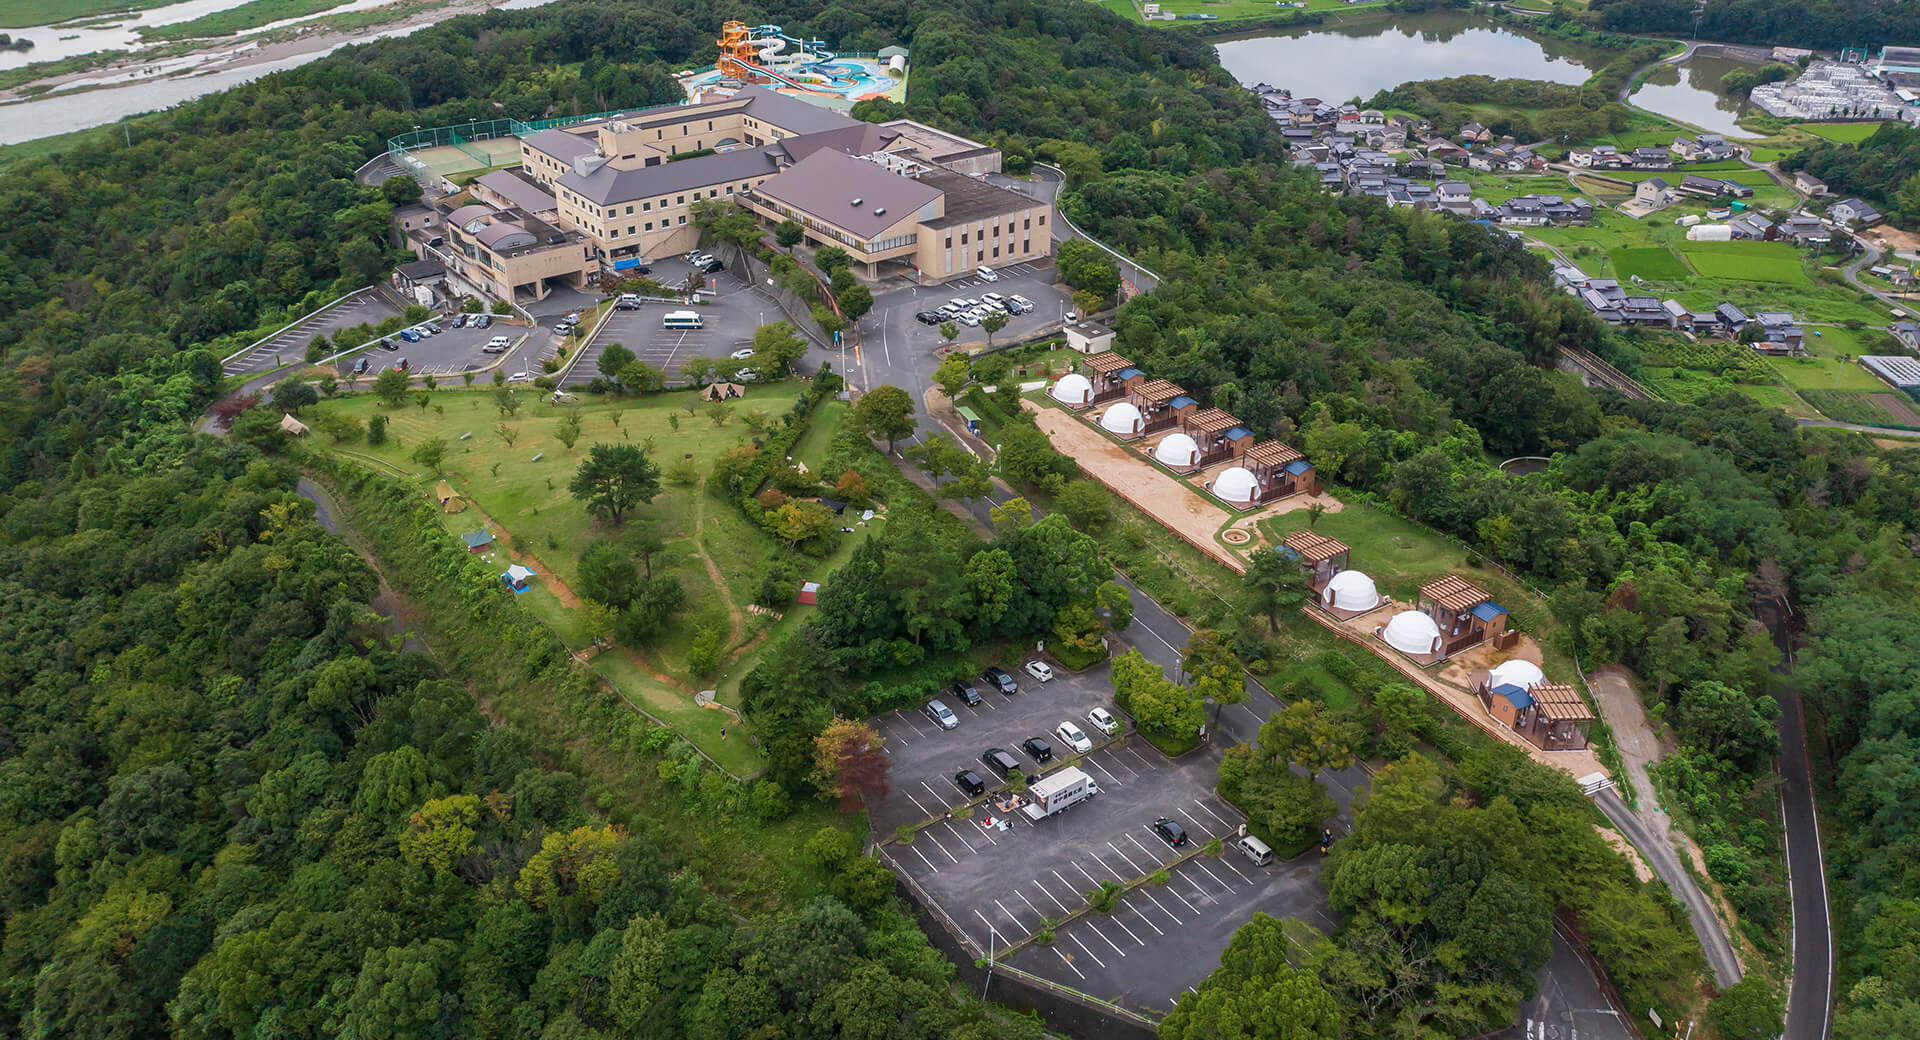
[
  {"x": 1643, "y": 310},
  {"x": 1706, "y": 147},
  {"x": 1702, "y": 187},
  {"x": 1804, "y": 229},
  {"x": 1650, "y": 159},
  {"x": 1752, "y": 227},
  {"x": 1907, "y": 333},
  {"x": 1651, "y": 192},
  {"x": 1807, "y": 184},
  {"x": 1780, "y": 334},
  {"x": 1732, "y": 318},
  {"x": 1475, "y": 132},
  {"x": 1853, "y": 213}
]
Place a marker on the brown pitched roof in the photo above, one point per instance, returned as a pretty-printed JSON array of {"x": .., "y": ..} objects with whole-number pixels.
[
  {"x": 1453, "y": 593},
  {"x": 1212, "y": 421},
  {"x": 1158, "y": 390},
  {"x": 1560, "y": 703},
  {"x": 1108, "y": 363},
  {"x": 1314, "y": 548},
  {"x": 1273, "y": 454}
]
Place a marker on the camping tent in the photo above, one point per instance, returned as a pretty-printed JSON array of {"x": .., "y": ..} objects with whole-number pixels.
[
  {"x": 1236, "y": 485},
  {"x": 1350, "y": 590},
  {"x": 291, "y": 425},
  {"x": 1524, "y": 674},
  {"x": 722, "y": 391},
  {"x": 809, "y": 592},
  {"x": 450, "y": 500},
  {"x": 1073, "y": 390},
  {"x": 516, "y": 577},
  {"x": 1412, "y": 632},
  {"x": 1123, "y": 419},
  {"x": 1177, "y": 451}
]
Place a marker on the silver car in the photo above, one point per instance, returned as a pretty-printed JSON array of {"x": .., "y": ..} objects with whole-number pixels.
[{"x": 941, "y": 715}]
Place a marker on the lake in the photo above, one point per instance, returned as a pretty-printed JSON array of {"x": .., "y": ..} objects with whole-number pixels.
[{"x": 1341, "y": 64}]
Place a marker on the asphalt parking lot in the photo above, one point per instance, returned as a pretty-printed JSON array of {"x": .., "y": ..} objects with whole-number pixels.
[
  {"x": 731, "y": 317},
  {"x": 1001, "y": 877},
  {"x": 448, "y": 353},
  {"x": 290, "y": 344},
  {"x": 896, "y": 349}
]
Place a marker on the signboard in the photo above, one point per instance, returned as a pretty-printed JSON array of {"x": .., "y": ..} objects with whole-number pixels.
[{"x": 627, "y": 264}]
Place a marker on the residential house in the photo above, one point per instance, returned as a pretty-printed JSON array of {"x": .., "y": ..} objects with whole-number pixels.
[
  {"x": 1736, "y": 189},
  {"x": 1650, "y": 159},
  {"x": 1779, "y": 334},
  {"x": 1536, "y": 210},
  {"x": 1464, "y": 613},
  {"x": 1686, "y": 148},
  {"x": 1804, "y": 229},
  {"x": 1706, "y": 147},
  {"x": 1702, "y": 187},
  {"x": 1733, "y": 318},
  {"x": 1570, "y": 278},
  {"x": 1476, "y": 132},
  {"x": 1752, "y": 227},
  {"x": 1600, "y": 155},
  {"x": 1677, "y": 314},
  {"x": 1643, "y": 310},
  {"x": 1651, "y": 192},
  {"x": 1854, "y": 213},
  {"x": 1907, "y": 333},
  {"x": 1445, "y": 151},
  {"x": 1807, "y": 184}
]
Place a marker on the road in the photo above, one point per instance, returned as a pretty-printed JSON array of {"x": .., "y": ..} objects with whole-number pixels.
[
  {"x": 1870, "y": 255},
  {"x": 1634, "y": 80},
  {"x": 1666, "y": 864}
]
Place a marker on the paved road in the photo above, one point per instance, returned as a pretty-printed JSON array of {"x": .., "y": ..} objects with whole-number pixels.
[
  {"x": 1045, "y": 186},
  {"x": 1666, "y": 864},
  {"x": 1810, "y": 996},
  {"x": 1877, "y": 431},
  {"x": 1634, "y": 80},
  {"x": 1870, "y": 255}
]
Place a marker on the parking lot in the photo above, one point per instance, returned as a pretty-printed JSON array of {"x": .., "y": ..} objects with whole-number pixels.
[
  {"x": 897, "y": 349},
  {"x": 730, "y": 318},
  {"x": 448, "y": 353},
  {"x": 1000, "y": 877},
  {"x": 290, "y": 345}
]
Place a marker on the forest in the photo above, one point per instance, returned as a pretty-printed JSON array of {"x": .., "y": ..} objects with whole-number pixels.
[
  {"x": 1884, "y": 169},
  {"x": 235, "y": 807},
  {"x": 1822, "y": 24}
]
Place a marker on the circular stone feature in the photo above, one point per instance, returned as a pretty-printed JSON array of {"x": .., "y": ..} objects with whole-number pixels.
[{"x": 1235, "y": 536}]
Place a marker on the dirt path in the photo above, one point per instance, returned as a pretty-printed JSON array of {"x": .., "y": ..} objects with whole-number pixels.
[
  {"x": 567, "y": 597},
  {"x": 736, "y": 621}
]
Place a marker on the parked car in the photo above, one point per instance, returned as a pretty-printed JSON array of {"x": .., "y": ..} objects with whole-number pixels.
[
  {"x": 992, "y": 297},
  {"x": 987, "y": 274},
  {"x": 520, "y": 377},
  {"x": 927, "y": 318},
  {"x": 1038, "y": 748},
  {"x": 401, "y": 365},
  {"x": 1021, "y": 302},
  {"x": 1000, "y": 679},
  {"x": 1073, "y": 736},
  {"x": 1039, "y": 670},
  {"x": 434, "y": 327},
  {"x": 968, "y": 318},
  {"x": 1170, "y": 832},
  {"x": 957, "y": 303},
  {"x": 389, "y": 344},
  {"x": 484, "y": 321},
  {"x": 1104, "y": 720},
  {"x": 628, "y": 302},
  {"x": 459, "y": 321},
  {"x": 572, "y": 318},
  {"x": 496, "y": 345},
  {"x": 966, "y": 693},
  {"x": 1070, "y": 317},
  {"x": 745, "y": 375},
  {"x": 941, "y": 715},
  {"x": 360, "y": 366},
  {"x": 1000, "y": 761},
  {"x": 409, "y": 335},
  {"x": 742, "y": 354},
  {"x": 969, "y": 781}
]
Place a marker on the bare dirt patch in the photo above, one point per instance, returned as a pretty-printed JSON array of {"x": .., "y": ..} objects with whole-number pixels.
[
  {"x": 1898, "y": 406},
  {"x": 1625, "y": 848}
]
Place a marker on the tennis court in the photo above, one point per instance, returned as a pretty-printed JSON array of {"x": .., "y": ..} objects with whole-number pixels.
[{"x": 449, "y": 160}]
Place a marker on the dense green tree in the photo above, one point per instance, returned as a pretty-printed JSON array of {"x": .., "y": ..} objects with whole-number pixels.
[
  {"x": 886, "y": 413},
  {"x": 613, "y": 479}
]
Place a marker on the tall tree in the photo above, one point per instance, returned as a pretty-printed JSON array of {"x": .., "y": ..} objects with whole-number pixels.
[
  {"x": 1277, "y": 584},
  {"x": 848, "y": 763},
  {"x": 886, "y": 412},
  {"x": 613, "y": 479}
]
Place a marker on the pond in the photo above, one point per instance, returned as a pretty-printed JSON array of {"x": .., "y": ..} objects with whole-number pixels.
[{"x": 1340, "y": 64}]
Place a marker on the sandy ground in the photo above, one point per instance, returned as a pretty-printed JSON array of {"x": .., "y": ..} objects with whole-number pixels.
[
  {"x": 1625, "y": 848},
  {"x": 230, "y": 52},
  {"x": 1895, "y": 239}
]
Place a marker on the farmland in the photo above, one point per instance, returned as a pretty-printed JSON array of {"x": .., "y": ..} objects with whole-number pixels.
[
  {"x": 1747, "y": 262},
  {"x": 1653, "y": 263},
  {"x": 1845, "y": 133}
]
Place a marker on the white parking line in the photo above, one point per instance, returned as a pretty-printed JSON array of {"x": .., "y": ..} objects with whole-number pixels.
[
  {"x": 1103, "y": 936},
  {"x": 1089, "y": 877},
  {"x": 929, "y": 833},
  {"x": 1129, "y": 859},
  {"x": 955, "y": 833},
  {"x": 1229, "y": 865},
  {"x": 1090, "y": 953},
  {"x": 1144, "y": 917},
  {"x": 1030, "y": 906},
  {"x": 1049, "y": 894},
  {"x": 910, "y": 796},
  {"x": 1009, "y": 913},
  {"x": 1163, "y": 908},
  {"x": 1117, "y": 876},
  {"x": 1095, "y": 765},
  {"x": 992, "y": 932},
  {"x": 937, "y": 796},
  {"x": 1069, "y": 964},
  {"x": 1196, "y": 823},
  {"x": 1137, "y": 845},
  {"x": 1203, "y": 808},
  {"x": 1212, "y": 875},
  {"x": 1181, "y": 898},
  {"x": 1129, "y": 931},
  {"x": 1135, "y": 756},
  {"x": 924, "y": 859}
]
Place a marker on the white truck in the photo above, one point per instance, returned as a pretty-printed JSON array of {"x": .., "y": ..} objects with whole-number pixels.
[{"x": 1058, "y": 791}]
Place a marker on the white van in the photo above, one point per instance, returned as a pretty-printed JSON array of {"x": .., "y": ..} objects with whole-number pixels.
[
  {"x": 1254, "y": 849},
  {"x": 987, "y": 274}
]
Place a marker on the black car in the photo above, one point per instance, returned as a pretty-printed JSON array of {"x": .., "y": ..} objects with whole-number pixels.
[
  {"x": 998, "y": 760},
  {"x": 435, "y": 326},
  {"x": 1039, "y": 749},
  {"x": 1170, "y": 832},
  {"x": 389, "y": 344},
  {"x": 999, "y": 679},
  {"x": 927, "y": 318},
  {"x": 712, "y": 266},
  {"x": 459, "y": 321},
  {"x": 969, "y": 781},
  {"x": 360, "y": 366},
  {"x": 966, "y": 693},
  {"x": 484, "y": 321}
]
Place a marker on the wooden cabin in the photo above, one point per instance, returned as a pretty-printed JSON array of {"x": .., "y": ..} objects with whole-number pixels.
[
  {"x": 1282, "y": 471},
  {"x": 1320, "y": 557},
  {"x": 1464, "y": 614},
  {"x": 1162, "y": 405},
  {"x": 1208, "y": 429},
  {"x": 1110, "y": 374},
  {"x": 1551, "y": 715}
]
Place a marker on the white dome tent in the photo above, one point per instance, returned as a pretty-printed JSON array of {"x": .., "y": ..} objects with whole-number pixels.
[
  {"x": 1073, "y": 390},
  {"x": 1236, "y": 485},
  {"x": 1177, "y": 451},
  {"x": 1524, "y": 674},
  {"x": 1412, "y": 633},
  {"x": 1350, "y": 591},
  {"x": 1123, "y": 419}
]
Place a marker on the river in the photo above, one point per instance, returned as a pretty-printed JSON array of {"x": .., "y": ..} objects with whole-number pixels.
[
  {"x": 64, "y": 110},
  {"x": 1340, "y": 64}
]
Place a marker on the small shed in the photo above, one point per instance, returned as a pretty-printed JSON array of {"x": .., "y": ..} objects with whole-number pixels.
[
  {"x": 515, "y": 577},
  {"x": 477, "y": 541},
  {"x": 449, "y": 499},
  {"x": 1088, "y": 338},
  {"x": 809, "y": 593},
  {"x": 972, "y": 418},
  {"x": 290, "y": 425}
]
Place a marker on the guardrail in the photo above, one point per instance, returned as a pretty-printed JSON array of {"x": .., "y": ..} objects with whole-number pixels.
[
  {"x": 229, "y": 359},
  {"x": 1078, "y": 230}
]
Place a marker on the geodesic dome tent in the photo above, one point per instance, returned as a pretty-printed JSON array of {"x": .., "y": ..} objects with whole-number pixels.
[
  {"x": 1236, "y": 484},
  {"x": 1350, "y": 590},
  {"x": 1178, "y": 451},
  {"x": 1072, "y": 390},
  {"x": 1412, "y": 632},
  {"x": 1524, "y": 674},
  {"x": 1123, "y": 419}
]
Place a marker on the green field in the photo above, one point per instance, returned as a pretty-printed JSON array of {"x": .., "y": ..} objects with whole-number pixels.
[
  {"x": 1747, "y": 261},
  {"x": 250, "y": 15},
  {"x": 1653, "y": 263},
  {"x": 1845, "y": 133},
  {"x": 1781, "y": 398},
  {"x": 1825, "y": 373},
  {"x": 19, "y": 14},
  {"x": 1397, "y": 554},
  {"x": 716, "y": 554}
]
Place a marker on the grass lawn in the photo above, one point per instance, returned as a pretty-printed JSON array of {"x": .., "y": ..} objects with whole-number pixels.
[
  {"x": 1396, "y": 554},
  {"x": 1845, "y": 133},
  {"x": 1498, "y": 188},
  {"x": 250, "y": 15},
  {"x": 703, "y": 726},
  {"x": 1850, "y": 342},
  {"x": 1781, "y": 398},
  {"x": 1654, "y": 263},
  {"x": 523, "y": 489},
  {"x": 811, "y": 451},
  {"x": 1825, "y": 373},
  {"x": 1747, "y": 261},
  {"x": 21, "y": 14}
]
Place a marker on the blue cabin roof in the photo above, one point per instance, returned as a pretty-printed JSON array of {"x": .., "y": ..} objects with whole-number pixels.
[
  {"x": 1299, "y": 466},
  {"x": 1239, "y": 433},
  {"x": 1488, "y": 611},
  {"x": 1183, "y": 401},
  {"x": 475, "y": 539},
  {"x": 1519, "y": 698},
  {"x": 1131, "y": 373}
]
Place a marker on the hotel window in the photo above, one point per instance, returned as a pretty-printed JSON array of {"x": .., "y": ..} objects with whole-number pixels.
[
  {"x": 646, "y": 207},
  {"x": 680, "y": 200},
  {"x": 996, "y": 231},
  {"x": 979, "y": 255},
  {"x": 616, "y": 233},
  {"x": 1043, "y": 220},
  {"x": 1027, "y": 225},
  {"x": 629, "y": 229},
  {"x": 649, "y": 225},
  {"x": 996, "y": 252},
  {"x": 629, "y": 211},
  {"x": 963, "y": 238},
  {"x": 949, "y": 244},
  {"x": 683, "y": 218}
]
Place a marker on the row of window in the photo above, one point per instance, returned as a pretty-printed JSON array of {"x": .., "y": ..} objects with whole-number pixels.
[
  {"x": 615, "y": 233},
  {"x": 980, "y": 255},
  {"x": 1025, "y": 225}
]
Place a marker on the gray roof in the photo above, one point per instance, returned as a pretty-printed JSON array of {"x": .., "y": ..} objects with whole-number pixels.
[
  {"x": 827, "y": 183},
  {"x": 562, "y": 145},
  {"x": 857, "y": 139},
  {"x": 790, "y": 113},
  {"x": 607, "y": 186},
  {"x": 518, "y": 189},
  {"x": 503, "y": 236}
]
